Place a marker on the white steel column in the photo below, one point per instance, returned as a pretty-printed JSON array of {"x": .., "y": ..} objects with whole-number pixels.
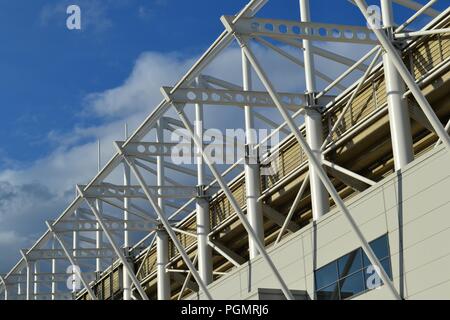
[
  {"x": 7, "y": 289},
  {"x": 252, "y": 169},
  {"x": 54, "y": 283},
  {"x": 408, "y": 78},
  {"x": 36, "y": 284},
  {"x": 19, "y": 287},
  {"x": 402, "y": 145},
  {"x": 162, "y": 239},
  {"x": 162, "y": 259},
  {"x": 117, "y": 249},
  {"x": 313, "y": 123},
  {"x": 235, "y": 205},
  {"x": 165, "y": 223},
  {"x": 30, "y": 278},
  {"x": 72, "y": 261},
  {"x": 204, "y": 251},
  {"x": 98, "y": 234},
  {"x": 75, "y": 245},
  {"x": 318, "y": 166},
  {"x": 126, "y": 239}
]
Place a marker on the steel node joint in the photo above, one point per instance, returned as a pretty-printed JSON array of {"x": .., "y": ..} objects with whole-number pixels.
[
  {"x": 231, "y": 29},
  {"x": 201, "y": 192},
  {"x": 228, "y": 24},
  {"x": 179, "y": 108},
  {"x": 251, "y": 154},
  {"x": 398, "y": 43},
  {"x": 313, "y": 103},
  {"x": 311, "y": 100},
  {"x": 129, "y": 255}
]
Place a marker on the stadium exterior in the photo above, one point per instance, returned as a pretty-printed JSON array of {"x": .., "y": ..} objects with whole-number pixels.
[{"x": 355, "y": 205}]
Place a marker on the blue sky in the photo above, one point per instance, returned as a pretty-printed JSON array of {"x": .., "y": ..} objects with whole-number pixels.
[
  {"x": 48, "y": 70},
  {"x": 60, "y": 90}
]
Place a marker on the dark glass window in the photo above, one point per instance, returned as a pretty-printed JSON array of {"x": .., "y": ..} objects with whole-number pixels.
[
  {"x": 350, "y": 263},
  {"x": 352, "y": 274},
  {"x": 352, "y": 285},
  {"x": 371, "y": 280},
  {"x": 326, "y": 275},
  {"x": 381, "y": 249},
  {"x": 328, "y": 293}
]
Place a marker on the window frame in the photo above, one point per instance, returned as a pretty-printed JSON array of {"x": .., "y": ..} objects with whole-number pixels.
[{"x": 363, "y": 267}]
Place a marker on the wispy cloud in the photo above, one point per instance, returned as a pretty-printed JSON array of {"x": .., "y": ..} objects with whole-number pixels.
[
  {"x": 10, "y": 237},
  {"x": 138, "y": 92},
  {"x": 150, "y": 10},
  {"x": 145, "y": 12},
  {"x": 30, "y": 195}
]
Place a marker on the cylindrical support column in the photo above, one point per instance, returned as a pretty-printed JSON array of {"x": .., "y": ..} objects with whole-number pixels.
[
  {"x": 8, "y": 289},
  {"x": 36, "y": 279},
  {"x": 99, "y": 205},
  {"x": 19, "y": 288},
  {"x": 310, "y": 78},
  {"x": 7, "y": 292},
  {"x": 98, "y": 240},
  {"x": 160, "y": 177},
  {"x": 251, "y": 167},
  {"x": 313, "y": 123},
  {"x": 30, "y": 280},
  {"x": 205, "y": 266},
  {"x": 162, "y": 259},
  {"x": 319, "y": 196},
  {"x": 126, "y": 242},
  {"x": 399, "y": 120},
  {"x": 162, "y": 238},
  {"x": 54, "y": 283},
  {"x": 75, "y": 245}
]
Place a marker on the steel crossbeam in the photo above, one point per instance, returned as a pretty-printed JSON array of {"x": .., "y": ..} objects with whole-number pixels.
[
  {"x": 302, "y": 30},
  {"x": 80, "y": 253},
  {"x": 136, "y": 192},
  {"x": 113, "y": 225}
]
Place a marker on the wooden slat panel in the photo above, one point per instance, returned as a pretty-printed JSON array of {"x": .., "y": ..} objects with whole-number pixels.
[
  {"x": 370, "y": 97},
  {"x": 429, "y": 54},
  {"x": 149, "y": 265},
  {"x": 116, "y": 281},
  {"x": 106, "y": 287}
]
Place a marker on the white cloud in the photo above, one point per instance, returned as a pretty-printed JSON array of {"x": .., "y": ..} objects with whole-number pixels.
[
  {"x": 140, "y": 91},
  {"x": 10, "y": 238},
  {"x": 29, "y": 196}
]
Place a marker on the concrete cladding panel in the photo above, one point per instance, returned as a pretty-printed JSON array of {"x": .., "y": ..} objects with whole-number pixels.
[{"x": 411, "y": 206}]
